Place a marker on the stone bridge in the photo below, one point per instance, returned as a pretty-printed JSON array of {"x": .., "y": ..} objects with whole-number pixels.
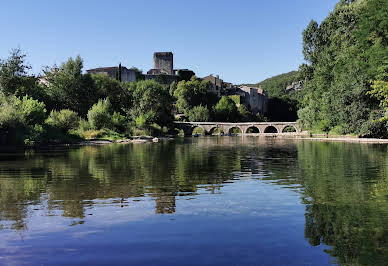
[{"x": 256, "y": 127}]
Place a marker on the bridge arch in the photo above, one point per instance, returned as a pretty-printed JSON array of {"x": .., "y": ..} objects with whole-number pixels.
[
  {"x": 235, "y": 130},
  {"x": 252, "y": 129},
  {"x": 190, "y": 131},
  {"x": 271, "y": 129},
  {"x": 216, "y": 128},
  {"x": 289, "y": 129}
]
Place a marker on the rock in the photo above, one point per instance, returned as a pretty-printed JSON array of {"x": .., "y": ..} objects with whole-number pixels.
[{"x": 155, "y": 140}]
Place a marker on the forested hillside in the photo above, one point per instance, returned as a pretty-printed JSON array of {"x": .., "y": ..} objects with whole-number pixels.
[
  {"x": 282, "y": 105},
  {"x": 276, "y": 85},
  {"x": 345, "y": 75}
]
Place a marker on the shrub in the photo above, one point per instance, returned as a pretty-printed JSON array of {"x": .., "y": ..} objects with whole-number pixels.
[
  {"x": 141, "y": 122},
  {"x": 20, "y": 119},
  {"x": 10, "y": 115},
  {"x": 33, "y": 111},
  {"x": 63, "y": 120},
  {"x": 119, "y": 122},
  {"x": 83, "y": 125},
  {"x": 99, "y": 115}
]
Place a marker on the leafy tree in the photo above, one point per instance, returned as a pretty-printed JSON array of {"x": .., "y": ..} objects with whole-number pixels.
[
  {"x": 344, "y": 53},
  {"x": 310, "y": 35},
  {"x": 226, "y": 110},
  {"x": 191, "y": 93},
  {"x": 21, "y": 119},
  {"x": 244, "y": 114},
  {"x": 185, "y": 74},
  {"x": 64, "y": 120},
  {"x": 199, "y": 114},
  {"x": 173, "y": 87},
  {"x": 99, "y": 116},
  {"x": 152, "y": 101},
  {"x": 118, "y": 94},
  {"x": 69, "y": 89}
]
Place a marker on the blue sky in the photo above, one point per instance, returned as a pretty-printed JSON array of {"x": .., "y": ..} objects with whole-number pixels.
[{"x": 243, "y": 41}]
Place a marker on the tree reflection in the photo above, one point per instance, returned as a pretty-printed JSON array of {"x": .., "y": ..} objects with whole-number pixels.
[
  {"x": 343, "y": 186},
  {"x": 345, "y": 192}
]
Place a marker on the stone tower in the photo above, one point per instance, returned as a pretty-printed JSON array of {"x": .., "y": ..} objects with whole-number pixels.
[{"x": 164, "y": 61}]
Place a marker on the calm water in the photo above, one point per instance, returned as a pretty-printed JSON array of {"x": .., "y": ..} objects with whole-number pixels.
[{"x": 209, "y": 201}]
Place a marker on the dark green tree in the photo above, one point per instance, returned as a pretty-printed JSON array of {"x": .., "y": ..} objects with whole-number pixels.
[
  {"x": 13, "y": 72},
  {"x": 199, "y": 114},
  {"x": 151, "y": 101}
]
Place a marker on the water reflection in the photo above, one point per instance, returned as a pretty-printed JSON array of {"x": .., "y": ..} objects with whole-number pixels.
[{"x": 344, "y": 187}]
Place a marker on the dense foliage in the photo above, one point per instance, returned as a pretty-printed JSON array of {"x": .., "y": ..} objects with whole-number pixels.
[
  {"x": 276, "y": 86},
  {"x": 345, "y": 55}
]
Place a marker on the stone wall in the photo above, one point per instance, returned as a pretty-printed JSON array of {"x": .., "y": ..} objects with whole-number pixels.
[
  {"x": 256, "y": 98},
  {"x": 126, "y": 74}
]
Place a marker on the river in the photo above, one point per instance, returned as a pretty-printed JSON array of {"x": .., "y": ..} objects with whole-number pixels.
[{"x": 191, "y": 201}]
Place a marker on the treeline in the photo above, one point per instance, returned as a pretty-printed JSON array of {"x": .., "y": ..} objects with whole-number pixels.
[
  {"x": 346, "y": 74},
  {"x": 66, "y": 105}
]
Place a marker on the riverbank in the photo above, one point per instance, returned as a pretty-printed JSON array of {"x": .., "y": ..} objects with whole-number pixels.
[{"x": 149, "y": 139}]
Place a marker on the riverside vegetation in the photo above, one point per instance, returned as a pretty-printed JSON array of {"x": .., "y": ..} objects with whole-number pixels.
[
  {"x": 68, "y": 106},
  {"x": 345, "y": 90},
  {"x": 345, "y": 77}
]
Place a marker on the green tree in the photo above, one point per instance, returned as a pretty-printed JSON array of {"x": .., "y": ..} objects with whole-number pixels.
[
  {"x": 118, "y": 94},
  {"x": 185, "y": 74},
  {"x": 244, "y": 114},
  {"x": 68, "y": 88},
  {"x": 64, "y": 120},
  {"x": 100, "y": 116},
  {"x": 199, "y": 114},
  {"x": 191, "y": 93},
  {"x": 13, "y": 72},
  {"x": 344, "y": 53},
  {"x": 151, "y": 100},
  {"x": 226, "y": 110}
]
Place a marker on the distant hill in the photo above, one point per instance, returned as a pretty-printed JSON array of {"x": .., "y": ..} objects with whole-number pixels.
[{"x": 276, "y": 86}]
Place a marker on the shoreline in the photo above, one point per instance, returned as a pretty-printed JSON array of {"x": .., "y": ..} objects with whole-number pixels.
[{"x": 150, "y": 139}]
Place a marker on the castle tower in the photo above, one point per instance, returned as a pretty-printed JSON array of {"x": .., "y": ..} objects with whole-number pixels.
[{"x": 164, "y": 61}]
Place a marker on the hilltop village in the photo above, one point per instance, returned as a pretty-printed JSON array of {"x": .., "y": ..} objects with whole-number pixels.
[{"x": 254, "y": 98}]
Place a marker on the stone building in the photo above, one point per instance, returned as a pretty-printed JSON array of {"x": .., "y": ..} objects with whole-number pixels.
[
  {"x": 217, "y": 84},
  {"x": 126, "y": 74},
  {"x": 163, "y": 64},
  {"x": 256, "y": 98}
]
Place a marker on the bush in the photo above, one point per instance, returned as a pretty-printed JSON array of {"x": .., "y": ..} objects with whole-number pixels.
[
  {"x": 99, "y": 115},
  {"x": 64, "y": 120},
  {"x": 119, "y": 122},
  {"x": 20, "y": 119},
  {"x": 141, "y": 122},
  {"x": 33, "y": 111},
  {"x": 10, "y": 115},
  {"x": 83, "y": 125},
  {"x": 199, "y": 114}
]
